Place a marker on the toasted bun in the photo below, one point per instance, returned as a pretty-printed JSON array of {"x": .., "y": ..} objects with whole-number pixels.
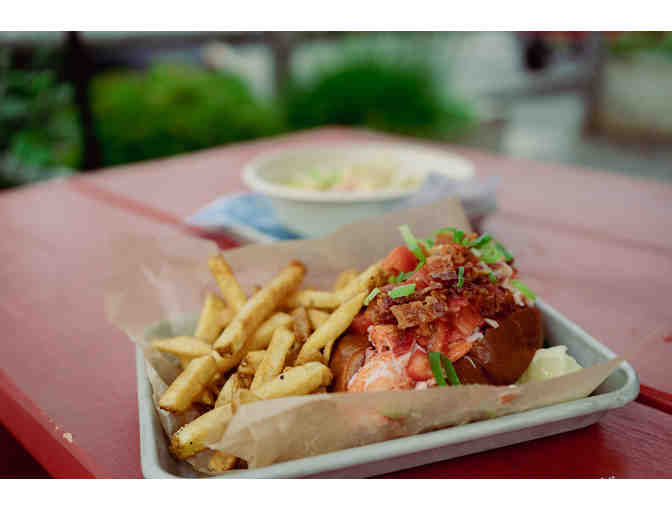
[
  {"x": 346, "y": 359},
  {"x": 503, "y": 354}
]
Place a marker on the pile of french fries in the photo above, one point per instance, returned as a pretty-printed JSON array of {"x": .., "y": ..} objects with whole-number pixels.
[{"x": 276, "y": 343}]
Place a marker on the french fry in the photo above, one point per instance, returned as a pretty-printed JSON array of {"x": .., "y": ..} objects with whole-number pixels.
[
  {"x": 206, "y": 398},
  {"x": 274, "y": 359},
  {"x": 188, "y": 385},
  {"x": 344, "y": 278},
  {"x": 251, "y": 362},
  {"x": 215, "y": 316},
  {"x": 262, "y": 336},
  {"x": 326, "y": 352},
  {"x": 236, "y": 337},
  {"x": 192, "y": 437},
  {"x": 321, "y": 389},
  {"x": 300, "y": 324},
  {"x": 300, "y": 380},
  {"x": 188, "y": 347},
  {"x": 220, "y": 462},
  {"x": 317, "y": 317},
  {"x": 313, "y": 299},
  {"x": 228, "y": 391},
  {"x": 337, "y": 323},
  {"x": 371, "y": 277},
  {"x": 245, "y": 396},
  {"x": 231, "y": 290}
]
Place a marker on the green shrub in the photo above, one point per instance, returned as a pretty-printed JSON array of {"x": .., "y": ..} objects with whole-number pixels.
[
  {"x": 39, "y": 130},
  {"x": 172, "y": 109},
  {"x": 379, "y": 93}
]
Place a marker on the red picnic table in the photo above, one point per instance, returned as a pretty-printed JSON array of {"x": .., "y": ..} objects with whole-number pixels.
[{"x": 595, "y": 245}]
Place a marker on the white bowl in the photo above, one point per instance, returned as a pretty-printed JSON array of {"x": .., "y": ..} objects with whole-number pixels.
[{"x": 316, "y": 213}]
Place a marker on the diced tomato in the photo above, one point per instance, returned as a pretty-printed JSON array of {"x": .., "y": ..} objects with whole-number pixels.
[
  {"x": 399, "y": 260},
  {"x": 360, "y": 324},
  {"x": 418, "y": 367}
]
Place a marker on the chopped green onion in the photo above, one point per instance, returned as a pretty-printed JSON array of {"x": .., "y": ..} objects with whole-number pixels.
[
  {"x": 460, "y": 277},
  {"x": 435, "y": 364},
  {"x": 492, "y": 277},
  {"x": 403, "y": 276},
  {"x": 507, "y": 255},
  {"x": 392, "y": 279},
  {"x": 450, "y": 371},
  {"x": 371, "y": 295},
  {"x": 402, "y": 291},
  {"x": 412, "y": 242},
  {"x": 458, "y": 234},
  {"x": 428, "y": 243},
  {"x": 524, "y": 289},
  {"x": 480, "y": 241},
  {"x": 492, "y": 252}
]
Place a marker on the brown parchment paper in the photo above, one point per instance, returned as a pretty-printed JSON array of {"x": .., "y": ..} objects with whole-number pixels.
[{"x": 166, "y": 280}]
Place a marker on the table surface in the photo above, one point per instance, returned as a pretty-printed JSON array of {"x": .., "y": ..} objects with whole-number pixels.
[{"x": 591, "y": 243}]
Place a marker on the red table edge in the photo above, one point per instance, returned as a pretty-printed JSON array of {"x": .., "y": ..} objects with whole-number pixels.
[{"x": 40, "y": 436}]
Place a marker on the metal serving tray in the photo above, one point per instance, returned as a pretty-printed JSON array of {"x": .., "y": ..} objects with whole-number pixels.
[{"x": 621, "y": 387}]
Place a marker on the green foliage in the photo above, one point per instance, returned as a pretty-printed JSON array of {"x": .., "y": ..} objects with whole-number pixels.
[
  {"x": 172, "y": 109},
  {"x": 378, "y": 93},
  {"x": 630, "y": 43},
  {"x": 39, "y": 132}
]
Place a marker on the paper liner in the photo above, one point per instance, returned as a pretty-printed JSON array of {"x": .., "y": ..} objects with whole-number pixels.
[{"x": 163, "y": 283}]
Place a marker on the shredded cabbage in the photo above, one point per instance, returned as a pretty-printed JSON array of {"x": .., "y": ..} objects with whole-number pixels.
[{"x": 549, "y": 363}]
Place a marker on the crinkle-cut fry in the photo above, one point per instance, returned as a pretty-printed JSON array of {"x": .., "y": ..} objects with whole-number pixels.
[
  {"x": 317, "y": 317},
  {"x": 238, "y": 334},
  {"x": 228, "y": 285},
  {"x": 220, "y": 462},
  {"x": 209, "y": 427},
  {"x": 300, "y": 380},
  {"x": 344, "y": 278},
  {"x": 183, "y": 346},
  {"x": 262, "y": 336},
  {"x": 337, "y": 323},
  {"x": 274, "y": 359},
  {"x": 188, "y": 385},
  {"x": 309, "y": 298},
  {"x": 301, "y": 324},
  {"x": 215, "y": 316},
  {"x": 250, "y": 363},
  {"x": 371, "y": 277},
  {"x": 228, "y": 391}
]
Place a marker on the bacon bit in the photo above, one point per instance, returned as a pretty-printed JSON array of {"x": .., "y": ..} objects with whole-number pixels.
[
  {"x": 668, "y": 339},
  {"x": 419, "y": 312}
]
